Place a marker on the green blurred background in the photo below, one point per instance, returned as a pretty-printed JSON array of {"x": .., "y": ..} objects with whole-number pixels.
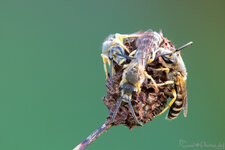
[{"x": 52, "y": 79}]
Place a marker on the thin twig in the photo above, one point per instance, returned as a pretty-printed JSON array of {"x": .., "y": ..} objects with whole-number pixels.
[{"x": 91, "y": 138}]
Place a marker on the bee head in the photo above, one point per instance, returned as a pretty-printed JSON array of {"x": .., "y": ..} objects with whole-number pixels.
[
  {"x": 171, "y": 57},
  {"x": 128, "y": 88},
  {"x": 117, "y": 54}
]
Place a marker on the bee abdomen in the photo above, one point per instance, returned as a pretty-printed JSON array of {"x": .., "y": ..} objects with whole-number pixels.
[{"x": 175, "y": 109}]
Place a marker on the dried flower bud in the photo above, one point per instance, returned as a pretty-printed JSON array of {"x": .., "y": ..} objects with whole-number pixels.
[{"x": 148, "y": 103}]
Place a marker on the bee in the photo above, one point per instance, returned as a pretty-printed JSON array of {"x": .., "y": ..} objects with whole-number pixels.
[
  {"x": 134, "y": 74},
  {"x": 177, "y": 75},
  {"x": 113, "y": 50}
]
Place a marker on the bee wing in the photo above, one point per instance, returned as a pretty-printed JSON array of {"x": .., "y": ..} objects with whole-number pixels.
[
  {"x": 183, "y": 91},
  {"x": 139, "y": 63},
  {"x": 185, "y": 105}
]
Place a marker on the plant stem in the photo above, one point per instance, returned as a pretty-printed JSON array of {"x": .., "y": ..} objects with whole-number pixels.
[{"x": 91, "y": 138}]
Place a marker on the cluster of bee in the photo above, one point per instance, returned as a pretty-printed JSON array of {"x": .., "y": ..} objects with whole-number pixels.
[{"x": 149, "y": 47}]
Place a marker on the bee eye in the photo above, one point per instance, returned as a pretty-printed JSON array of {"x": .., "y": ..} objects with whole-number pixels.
[
  {"x": 168, "y": 60},
  {"x": 119, "y": 48}
]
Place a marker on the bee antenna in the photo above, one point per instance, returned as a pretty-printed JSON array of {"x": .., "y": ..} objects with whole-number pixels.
[
  {"x": 111, "y": 70},
  {"x": 177, "y": 50},
  {"x": 180, "y": 48},
  {"x": 116, "y": 109},
  {"x": 125, "y": 56}
]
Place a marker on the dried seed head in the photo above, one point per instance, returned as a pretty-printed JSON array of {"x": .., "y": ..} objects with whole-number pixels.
[{"x": 149, "y": 102}]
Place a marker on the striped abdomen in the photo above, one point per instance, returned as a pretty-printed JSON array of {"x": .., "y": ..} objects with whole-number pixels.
[{"x": 181, "y": 100}]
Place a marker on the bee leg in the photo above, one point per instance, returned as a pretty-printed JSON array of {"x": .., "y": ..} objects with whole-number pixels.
[
  {"x": 108, "y": 61},
  {"x": 120, "y": 37},
  {"x": 125, "y": 66},
  {"x": 116, "y": 109},
  {"x": 165, "y": 83},
  {"x": 122, "y": 61},
  {"x": 112, "y": 71},
  {"x": 132, "y": 53},
  {"x": 149, "y": 61},
  {"x": 139, "y": 90},
  {"x": 122, "y": 81},
  {"x": 138, "y": 86},
  {"x": 124, "y": 47},
  {"x": 162, "y": 69},
  {"x": 125, "y": 57},
  {"x": 105, "y": 67},
  {"x": 170, "y": 103},
  {"x": 153, "y": 57},
  {"x": 133, "y": 113},
  {"x": 150, "y": 77}
]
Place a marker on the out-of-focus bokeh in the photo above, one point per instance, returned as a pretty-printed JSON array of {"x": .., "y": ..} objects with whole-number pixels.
[{"x": 52, "y": 79}]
